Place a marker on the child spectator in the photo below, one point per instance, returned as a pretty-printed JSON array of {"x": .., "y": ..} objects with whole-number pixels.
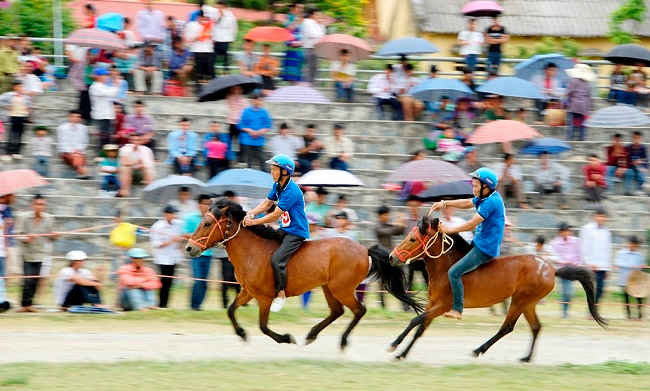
[
  {"x": 216, "y": 151},
  {"x": 41, "y": 150},
  {"x": 108, "y": 169},
  {"x": 628, "y": 260},
  {"x": 18, "y": 108},
  {"x": 594, "y": 184}
]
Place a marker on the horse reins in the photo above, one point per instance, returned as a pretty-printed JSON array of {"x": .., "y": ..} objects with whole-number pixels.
[
  {"x": 426, "y": 244},
  {"x": 202, "y": 242}
]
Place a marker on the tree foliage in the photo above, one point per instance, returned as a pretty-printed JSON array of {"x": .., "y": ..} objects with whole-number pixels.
[
  {"x": 567, "y": 46},
  {"x": 631, "y": 10},
  {"x": 33, "y": 18}
]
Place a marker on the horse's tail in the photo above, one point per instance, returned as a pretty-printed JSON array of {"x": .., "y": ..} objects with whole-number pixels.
[
  {"x": 392, "y": 278},
  {"x": 586, "y": 278}
]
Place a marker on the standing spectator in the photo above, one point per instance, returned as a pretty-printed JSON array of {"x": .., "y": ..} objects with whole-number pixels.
[
  {"x": 411, "y": 107},
  {"x": 224, "y": 31},
  {"x": 36, "y": 247},
  {"x": 180, "y": 64},
  {"x": 447, "y": 217},
  {"x": 141, "y": 123},
  {"x": 284, "y": 143},
  {"x": 8, "y": 64},
  {"x": 384, "y": 232},
  {"x": 311, "y": 31},
  {"x": 340, "y": 148},
  {"x": 147, "y": 75},
  {"x": 32, "y": 85},
  {"x": 579, "y": 101},
  {"x": 628, "y": 260},
  {"x": 150, "y": 23},
  {"x": 166, "y": 247},
  {"x": 318, "y": 208},
  {"x": 384, "y": 88},
  {"x": 136, "y": 164},
  {"x": 137, "y": 282},
  {"x": 236, "y": 104},
  {"x": 18, "y": 109},
  {"x": 72, "y": 141},
  {"x": 267, "y": 69},
  {"x": 247, "y": 59},
  {"x": 41, "y": 150},
  {"x": 117, "y": 80},
  {"x": 471, "y": 42},
  {"x": 200, "y": 264},
  {"x": 550, "y": 86},
  {"x": 549, "y": 178},
  {"x": 342, "y": 206},
  {"x": 594, "y": 183},
  {"x": 293, "y": 54},
  {"x": 617, "y": 84},
  {"x": 254, "y": 123},
  {"x": 183, "y": 147},
  {"x": 344, "y": 74},
  {"x": 495, "y": 36},
  {"x": 89, "y": 17},
  {"x": 511, "y": 180},
  {"x": 198, "y": 36},
  {"x": 311, "y": 150},
  {"x": 172, "y": 33},
  {"x": 108, "y": 170},
  {"x": 76, "y": 285},
  {"x": 470, "y": 163},
  {"x": 567, "y": 250},
  {"x": 637, "y": 164},
  {"x": 185, "y": 204},
  {"x": 596, "y": 248},
  {"x": 617, "y": 160},
  {"x": 101, "y": 97},
  {"x": 4, "y": 229}
]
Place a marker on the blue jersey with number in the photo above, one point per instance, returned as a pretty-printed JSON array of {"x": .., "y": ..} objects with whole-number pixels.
[
  {"x": 293, "y": 219},
  {"x": 489, "y": 233}
]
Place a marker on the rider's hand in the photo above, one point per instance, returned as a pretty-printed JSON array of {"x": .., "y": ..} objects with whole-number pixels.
[
  {"x": 444, "y": 228},
  {"x": 248, "y": 220},
  {"x": 436, "y": 206}
]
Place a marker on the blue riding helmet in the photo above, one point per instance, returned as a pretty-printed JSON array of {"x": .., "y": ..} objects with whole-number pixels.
[
  {"x": 486, "y": 176},
  {"x": 284, "y": 162},
  {"x": 137, "y": 253}
]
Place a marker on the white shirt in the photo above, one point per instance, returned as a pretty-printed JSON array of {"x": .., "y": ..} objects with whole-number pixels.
[
  {"x": 161, "y": 232},
  {"x": 133, "y": 155},
  {"x": 379, "y": 84},
  {"x": 188, "y": 207},
  {"x": 129, "y": 38},
  {"x": 150, "y": 24},
  {"x": 41, "y": 146},
  {"x": 474, "y": 39},
  {"x": 348, "y": 69},
  {"x": 101, "y": 99},
  {"x": 72, "y": 137},
  {"x": 192, "y": 31},
  {"x": 514, "y": 171},
  {"x": 31, "y": 83},
  {"x": 286, "y": 145},
  {"x": 63, "y": 284},
  {"x": 456, "y": 221},
  {"x": 311, "y": 32},
  {"x": 596, "y": 246},
  {"x": 225, "y": 25},
  {"x": 408, "y": 82}
]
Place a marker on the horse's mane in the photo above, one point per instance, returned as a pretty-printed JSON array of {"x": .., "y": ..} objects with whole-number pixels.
[
  {"x": 237, "y": 213},
  {"x": 460, "y": 244}
]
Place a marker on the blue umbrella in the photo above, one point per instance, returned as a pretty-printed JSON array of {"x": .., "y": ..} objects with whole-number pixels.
[
  {"x": 243, "y": 181},
  {"x": 406, "y": 46},
  {"x": 511, "y": 86},
  {"x": 546, "y": 144},
  {"x": 535, "y": 65},
  {"x": 111, "y": 21},
  {"x": 617, "y": 116},
  {"x": 432, "y": 89},
  {"x": 166, "y": 189}
]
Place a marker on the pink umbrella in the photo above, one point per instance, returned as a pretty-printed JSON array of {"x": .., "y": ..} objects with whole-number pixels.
[
  {"x": 13, "y": 180},
  {"x": 297, "y": 94},
  {"x": 269, "y": 34},
  {"x": 95, "y": 38},
  {"x": 502, "y": 131},
  {"x": 330, "y": 45},
  {"x": 480, "y": 8},
  {"x": 427, "y": 170}
]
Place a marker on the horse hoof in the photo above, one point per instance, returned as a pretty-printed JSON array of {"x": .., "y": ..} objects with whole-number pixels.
[
  {"x": 524, "y": 359},
  {"x": 242, "y": 334},
  {"x": 476, "y": 353},
  {"x": 391, "y": 348},
  {"x": 292, "y": 340},
  {"x": 399, "y": 357},
  {"x": 308, "y": 341}
]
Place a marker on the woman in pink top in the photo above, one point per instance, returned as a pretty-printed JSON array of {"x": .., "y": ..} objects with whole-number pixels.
[
  {"x": 567, "y": 250},
  {"x": 216, "y": 155},
  {"x": 236, "y": 105},
  {"x": 137, "y": 282}
]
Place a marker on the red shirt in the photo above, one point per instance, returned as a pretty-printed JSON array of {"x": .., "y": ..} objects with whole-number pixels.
[
  {"x": 618, "y": 160},
  {"x": 590, "y": 171}
]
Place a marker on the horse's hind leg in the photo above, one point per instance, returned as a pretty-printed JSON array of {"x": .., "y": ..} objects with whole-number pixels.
[
  {"x": 336, "y": 310},
  {"x": 265, "y": 307},
  {"x": 349, "y": 300},
  {"x": 506, "y": 328},
  {"x": 535, "y": 327},
  {"x": 242, "y": 298}
]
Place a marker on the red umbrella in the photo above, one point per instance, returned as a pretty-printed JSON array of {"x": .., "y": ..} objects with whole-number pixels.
[
  {"x": 269, "y": 34},
  {"x": 479, "y": 8},
  {"x": 95, "y": 38},
  {"x": 13, "y": 180},
  {"x": 427, "y": 170},
  {"x": 330, "y": 45},
  {"x": 502, "y": 131}
]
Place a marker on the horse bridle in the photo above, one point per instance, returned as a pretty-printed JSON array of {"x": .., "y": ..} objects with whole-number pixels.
[
  {"x": 202, "y": 242},
  {"x": 426, "y": 243}
]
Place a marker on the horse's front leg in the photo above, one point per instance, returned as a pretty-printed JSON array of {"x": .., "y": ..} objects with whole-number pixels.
[
  {"x": 265, "y": 308},
  {"x": 242, "y": 298}
]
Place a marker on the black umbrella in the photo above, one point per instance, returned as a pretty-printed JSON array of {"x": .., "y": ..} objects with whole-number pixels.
[
  {"x": 447, "y": 191},
  {"x": 219, "y": 88},
  {"x": 629, "y": 55}
]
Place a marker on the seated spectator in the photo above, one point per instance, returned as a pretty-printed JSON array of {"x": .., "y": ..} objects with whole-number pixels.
[
  {"x": 639, "y": 79},
  {"x": 637, "y": 163},
  {"x": 180, "y": 62},
  {"x": 183, "y": 148},
  {"x": 550, "y": 86},
  {"x": 628, "y": 260},
  {"x": 19, "y": 106},
  {"x": 340, "y": 148},
  {"x": 511, "y": 180},
  {"x": 616, "y": 162},
  {"x": 542, "y": 250},
  {"x": 566, "y": 248},
  {"x": 442, "y": 111},
  {"x": 116, "y": 79},
  {"x": 617, "y": 83},
  {"x": 319, "y": 207},
  {"x": 342, "y": 228},
  {"x": 464, "y": 116},
  {"x": 267, "y": 69},
  {"x": 341, "y": 206},
  {"x": 521, "y": 115},
  {"x": 32, "y": 85},
  {"x": 76, "y": 285},
  {"x": 470, "y": 163},
  {"x": 108, "y": 169},
  {"x": 136, "y": 163},
  {"x": 285, "y": 143},
  {"x": 384, "y": 88},
  {"x": 147, "y": 74},
  {"x": 549, "y": 178},
  {"x": 41, "y": 150},
  {"x": 411, "y": 107},
  {"x": 218, "y": 132},
  {"x": 344, "y": 74},
  {"x": 594, "y": 183},
  {"x": 309, "y": 154},
  {"x": 125, "y": 63},
  {"x": 494, "y": 108},
  {"x": 137, "y": 282},
  {"x": 127, "y": 34},
  {"x": 216, "y": 154},
  {"x": 72, "y": 141},
  {"x": 247, "y": 59},
  {"x": 254, "y": 123},
  {"x": 142, "y": 123},
  {"x": 185, "y": 204},
  {"x": 119, "y": 121}
]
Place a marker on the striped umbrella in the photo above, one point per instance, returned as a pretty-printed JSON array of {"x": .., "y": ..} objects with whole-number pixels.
[
  {"x": 13, "y": 180},
  {"x": 427, "y": 170},
  {"x": 297, "y": 94},
  {"x": 95, "y": 38},
  {"x": 617, "y": 116},
  {"x": 502, "y": 131},
  {"x": 330, "y": 45}
]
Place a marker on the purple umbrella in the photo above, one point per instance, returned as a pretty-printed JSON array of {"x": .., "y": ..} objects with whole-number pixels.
[
  {"x": 297, "y": 94},
  {"x": 427, "y": 170},
  {"x": 480, "y": 8}
]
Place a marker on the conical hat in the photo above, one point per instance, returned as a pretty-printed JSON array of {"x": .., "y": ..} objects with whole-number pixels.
[{"x": 638, "y": 285}]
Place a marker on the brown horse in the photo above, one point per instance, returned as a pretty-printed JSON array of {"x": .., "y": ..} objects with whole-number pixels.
[
  {"x": 338, "y": 265},
  {"x": 525, "y": 278}
]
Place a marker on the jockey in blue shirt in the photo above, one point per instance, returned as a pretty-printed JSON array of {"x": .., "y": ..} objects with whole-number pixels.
[
  {"x": 289, "y": 204},
  {"x": 489, "y": 222}
]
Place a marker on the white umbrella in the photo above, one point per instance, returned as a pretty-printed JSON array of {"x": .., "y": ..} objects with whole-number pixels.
[{"x": 329, "y": 178}]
